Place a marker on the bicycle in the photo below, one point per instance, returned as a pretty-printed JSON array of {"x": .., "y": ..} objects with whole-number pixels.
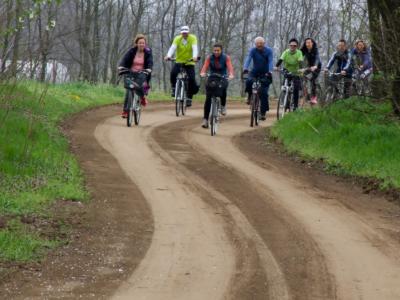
[
  {"x": 215, "y": 85},
  {"x": 285, "y": 101},
  {"x": 334, "y": 85},
  {"x": 255, "y": 107},
  {"x": 360, "y": 83},
  {"x": 307, "y": 81},
  {"x": 181, "y": 87},
  {"x": 133, "y": 83}
]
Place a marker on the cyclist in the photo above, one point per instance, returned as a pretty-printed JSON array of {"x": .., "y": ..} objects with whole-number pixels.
[
  {"x": 292, "y": 59},
  {"x": 221, "y": 64},
  {"x": 361, "y": 59},
  {"x": 313, "y": 62},
  {"x": 138, "y": 58},
  {"x": 262, "y": 58},
  {"x": 341, "y": 57},
  {"x": 185, "y": 46}
]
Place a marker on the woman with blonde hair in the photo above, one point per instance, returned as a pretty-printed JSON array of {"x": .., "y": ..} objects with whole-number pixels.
[
  {"x": 360, "y": 59},
  {"x": 138, "y": 58}
]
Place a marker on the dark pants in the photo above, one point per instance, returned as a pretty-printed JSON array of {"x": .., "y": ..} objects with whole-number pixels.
[
  {"x": 207, "y": 104},
  {"x": 264, "y": 107},
  {"x": 296, "y": 91},
  {"x": 314, "y": 83},
  {"x": 193, "y": 87}
]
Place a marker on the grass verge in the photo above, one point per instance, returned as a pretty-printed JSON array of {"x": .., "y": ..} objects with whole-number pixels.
[
  {"x": 355, "y": 136},
  {"x": 36, "y": 168}
]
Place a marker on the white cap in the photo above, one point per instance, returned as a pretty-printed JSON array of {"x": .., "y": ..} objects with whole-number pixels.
[{"x": 185, "y": 29}]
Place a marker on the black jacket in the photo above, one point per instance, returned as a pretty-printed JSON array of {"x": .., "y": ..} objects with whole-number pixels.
[{"x": 127, "y": 60}]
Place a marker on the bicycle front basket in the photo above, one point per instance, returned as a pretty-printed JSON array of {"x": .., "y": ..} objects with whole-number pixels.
[{"x": 216, "y": 86}]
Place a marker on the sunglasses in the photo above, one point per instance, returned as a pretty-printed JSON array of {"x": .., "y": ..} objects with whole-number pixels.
[{"x": 293, "y": 45}]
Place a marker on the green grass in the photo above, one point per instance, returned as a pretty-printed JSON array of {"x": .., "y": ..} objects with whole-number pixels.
[
  {"x": 354, "y": 137},
  {"x": 36, "y": 167}
]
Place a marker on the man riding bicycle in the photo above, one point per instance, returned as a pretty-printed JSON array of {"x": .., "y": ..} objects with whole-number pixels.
[
  {"x": 185, "y": 46},
  {"x": 216, "y": 63},
  {"x": 341, "y": 58},
  {"x": 292, "y": 59},
  {"x": 262, "y": 58}
]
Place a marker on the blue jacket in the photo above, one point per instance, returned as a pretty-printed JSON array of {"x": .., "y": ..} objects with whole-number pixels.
[
  {"x": 359, "y": 58},
  {"x": 341, "y": 60},
  {"x": 262, "y": 61}
]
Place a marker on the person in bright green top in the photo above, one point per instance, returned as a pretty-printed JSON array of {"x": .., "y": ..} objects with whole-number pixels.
[
  {"x": 292, "y": 59},
  {"x": 185, "y": 46}
]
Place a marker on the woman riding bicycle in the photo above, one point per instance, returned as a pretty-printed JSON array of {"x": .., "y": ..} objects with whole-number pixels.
[
  {"x": 361, "y": 59},
  {"x": 216, "y": 63},
  {"x": 138, "y": 58},
  {"x": 312, "y": 63}
]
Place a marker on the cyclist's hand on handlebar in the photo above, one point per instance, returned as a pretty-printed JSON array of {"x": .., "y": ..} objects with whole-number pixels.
[
  {"x": 313, "y": 68},
  {"x": 343, "y": 73},
  {"x": 245, "y": 71},
  {"x": 167, "y": 58},
  {"x": 276, "y": 69},
  {"x": 231, "y": 76},
  {"x": 147, "y": 70},
  {"x": 195, "y": 59},
  {"x": 202, "y": 75}
]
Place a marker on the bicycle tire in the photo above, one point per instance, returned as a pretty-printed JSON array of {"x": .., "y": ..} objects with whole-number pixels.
[
  {"x": 252, "y": 103},
  {"x": 130, "y": 109},
  {"x": 183, "y": 102},
  {"x": 214, "y": 117},
  {"x": 178, "y": 101},
  {"x": 257, "y": 112},
  {"x": 280, "y": 112},
  {"x": 136, "y": 109}
]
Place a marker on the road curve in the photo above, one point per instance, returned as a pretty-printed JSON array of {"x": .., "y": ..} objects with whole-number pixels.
[{"x": 229, "y": 228}]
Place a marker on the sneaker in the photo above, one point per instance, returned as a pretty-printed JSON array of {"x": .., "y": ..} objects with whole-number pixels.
[
  {"x": 188, "y": 102},
  {"x": 173, "y": 92},
  {"x": 124, "y": 114},
  {"x": 313, "y": 100},
  {"x": 263, "y": 117},
  {"x": 143, "y": 101},
  {"x": 223, "y": 110},
  {"x": 204, "y": 124}
]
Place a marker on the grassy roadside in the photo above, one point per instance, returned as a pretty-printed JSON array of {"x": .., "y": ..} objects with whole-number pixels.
[
  {"x": 36, "y": 168},
  {"x": 354, "y": 137}
]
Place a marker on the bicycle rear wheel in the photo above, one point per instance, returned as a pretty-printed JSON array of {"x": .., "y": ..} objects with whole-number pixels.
[
  {"x": 137, "y": 109},
  {"x": 178, "y": 99},
  {"x": 280, "y": 112},
  {"x": 183, "y": 104},
  {"x": 214, "y": 116},
  {"x": 130, "y": 109}
]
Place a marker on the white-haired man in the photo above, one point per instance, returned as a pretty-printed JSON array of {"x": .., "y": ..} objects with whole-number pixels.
[
  {"x": 185, "y": 46},
  {"x": 262, "y": 59}
]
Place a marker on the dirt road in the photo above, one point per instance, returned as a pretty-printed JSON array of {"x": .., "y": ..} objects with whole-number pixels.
[
  {"x": 231, "y": 222},
  {"x": 178, "y": 214}
]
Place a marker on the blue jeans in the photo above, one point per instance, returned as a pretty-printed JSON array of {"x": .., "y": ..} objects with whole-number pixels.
[{"x": 264, "y": 107}]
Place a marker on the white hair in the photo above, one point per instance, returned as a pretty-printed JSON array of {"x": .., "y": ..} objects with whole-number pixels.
[{"x": 259, "y": 38}]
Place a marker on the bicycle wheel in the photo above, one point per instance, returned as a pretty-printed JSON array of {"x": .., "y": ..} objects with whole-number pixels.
[
  {"x": 183, "y": 103},
  {"x": 280, "y": 112},
  {"x": 252, "y": 106},
  {"x": 330, "y": 95},
  {"x": 178, "y": 99},
  {"x": 130, "y": 109},
  {"x": 257, "y": 112},
  {"x": 136, "y": 109},
  {"x": 214, "y": 116}
]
